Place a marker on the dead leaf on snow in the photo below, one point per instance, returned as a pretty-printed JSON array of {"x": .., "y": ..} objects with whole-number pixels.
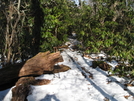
[
  {"x": 127, "y": 96},
  {"x": 106, "y": 99}
]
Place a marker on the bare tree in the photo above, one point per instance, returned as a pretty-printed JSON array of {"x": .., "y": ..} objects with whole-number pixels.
[{"x": 13, "y": 27}]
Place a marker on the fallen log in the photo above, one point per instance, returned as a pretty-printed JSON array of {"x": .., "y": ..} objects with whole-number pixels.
[
  {"x": 38, "y": 65},
  {"x": 9, "y": 75},
  {"x": 22, "y": 87}
]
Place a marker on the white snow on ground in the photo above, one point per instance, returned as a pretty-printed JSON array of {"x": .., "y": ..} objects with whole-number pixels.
[
  {"x": 76, "y": 85},
  {"x": 6, "y": 95}
]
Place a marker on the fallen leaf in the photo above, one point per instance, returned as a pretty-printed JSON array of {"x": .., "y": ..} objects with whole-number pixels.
[
  {"x": 127, "y": 96},
  {"x": 106, "y": 99}
]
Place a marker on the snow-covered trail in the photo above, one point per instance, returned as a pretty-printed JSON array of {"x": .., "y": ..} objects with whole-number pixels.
[
  {"x": 109, "y": 87},
  {"x": 80, "y": 83}
]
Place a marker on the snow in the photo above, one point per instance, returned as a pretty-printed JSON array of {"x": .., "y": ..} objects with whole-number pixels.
[
  {"x": 80, "y": 83},
  {"x": 6, "y": 95}
]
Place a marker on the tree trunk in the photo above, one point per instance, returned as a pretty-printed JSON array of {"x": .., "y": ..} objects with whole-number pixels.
[
  {"x": 13, "y": 17},
  {"x": 9, "y": 75},
  {"x": 80, "y": 3}
]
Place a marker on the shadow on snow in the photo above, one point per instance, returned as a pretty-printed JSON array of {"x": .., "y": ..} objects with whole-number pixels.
[
  {"x": 50, "y": 98},
  {"x": 114, "y": 79},
  {"x": 105, "y": 94}
]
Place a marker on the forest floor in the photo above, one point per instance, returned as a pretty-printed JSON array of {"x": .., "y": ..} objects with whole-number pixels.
[{"x": 80, "y": 83}]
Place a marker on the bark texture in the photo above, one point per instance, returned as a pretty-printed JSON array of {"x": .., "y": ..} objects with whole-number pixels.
[
  {"x": 22, "y": 87},
  {"x": 40, "y": 63}
]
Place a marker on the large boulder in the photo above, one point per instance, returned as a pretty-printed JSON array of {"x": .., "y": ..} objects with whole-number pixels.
[{"x": 42, "y": 62}]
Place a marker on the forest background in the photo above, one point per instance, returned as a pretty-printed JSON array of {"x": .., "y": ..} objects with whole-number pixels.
[{"x": 30, "y": 26}]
